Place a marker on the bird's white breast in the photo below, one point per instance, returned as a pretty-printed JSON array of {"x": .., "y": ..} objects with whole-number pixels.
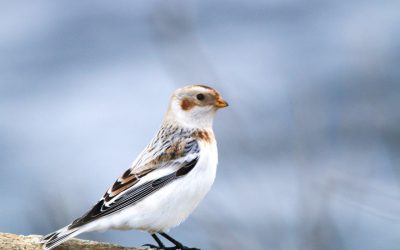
[{"x": 169, "y": 206}]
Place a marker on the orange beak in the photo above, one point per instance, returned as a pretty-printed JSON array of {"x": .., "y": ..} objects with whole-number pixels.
[{"x": 221, "y": 103}]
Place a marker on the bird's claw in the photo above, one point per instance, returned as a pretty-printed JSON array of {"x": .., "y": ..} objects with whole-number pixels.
[
  {"x": 152, "y": 246},
  {"x": 181, "y": 248},
  {"x": 170, "y": 248}
]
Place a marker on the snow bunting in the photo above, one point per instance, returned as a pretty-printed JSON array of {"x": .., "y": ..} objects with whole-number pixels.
[{"x": 166, "y": 181}]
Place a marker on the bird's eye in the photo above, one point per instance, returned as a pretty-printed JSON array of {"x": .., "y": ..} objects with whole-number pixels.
[{"x": 200, "y": 97}]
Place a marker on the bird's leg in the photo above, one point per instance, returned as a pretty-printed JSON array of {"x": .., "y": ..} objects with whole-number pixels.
[
  {"x": 159, "y": 242},
  {"x": 178, "y": 245}
]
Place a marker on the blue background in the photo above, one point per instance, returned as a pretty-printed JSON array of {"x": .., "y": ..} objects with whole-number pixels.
[{"x": 309, "y": 147}]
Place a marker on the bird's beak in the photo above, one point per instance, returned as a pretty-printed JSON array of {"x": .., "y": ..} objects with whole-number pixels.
[{"x": 221, "y": 103}]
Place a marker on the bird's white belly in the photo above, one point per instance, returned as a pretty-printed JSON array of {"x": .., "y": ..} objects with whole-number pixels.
[{"x": 172, "y": 204}]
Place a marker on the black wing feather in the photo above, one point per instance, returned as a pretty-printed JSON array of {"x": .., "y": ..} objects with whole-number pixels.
[{"x": 137, "y": 193}]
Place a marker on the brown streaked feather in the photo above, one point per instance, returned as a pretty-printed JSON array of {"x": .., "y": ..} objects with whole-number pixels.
[
  {"x": 170, "y": 150},
  {"x": 124, "y": 182},
  {"x": 131, "y": 177},
  {"x": 120, "y": 186},
  {"x": 203, "y": 135},
  {"x": 174, "y": 151}
]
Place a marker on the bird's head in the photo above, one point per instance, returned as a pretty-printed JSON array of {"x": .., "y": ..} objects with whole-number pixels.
[{"x": 194, "y": 106}]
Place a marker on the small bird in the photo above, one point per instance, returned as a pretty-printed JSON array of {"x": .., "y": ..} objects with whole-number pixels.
[{"x": 167, "y": 180}]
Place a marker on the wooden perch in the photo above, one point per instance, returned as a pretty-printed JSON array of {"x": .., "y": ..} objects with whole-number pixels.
[{"x": 31, "y": 242}]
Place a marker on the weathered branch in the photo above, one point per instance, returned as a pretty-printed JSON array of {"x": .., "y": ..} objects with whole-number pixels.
[{"x": 31, "y": 242}]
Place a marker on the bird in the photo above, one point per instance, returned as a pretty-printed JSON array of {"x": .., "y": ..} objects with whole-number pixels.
[{"x": 166, "y": 181}]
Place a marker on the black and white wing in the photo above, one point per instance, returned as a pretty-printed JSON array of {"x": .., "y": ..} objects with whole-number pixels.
[{"x": 181, "y": 157}]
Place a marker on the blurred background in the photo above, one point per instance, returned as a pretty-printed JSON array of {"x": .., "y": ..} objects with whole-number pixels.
[{"x": 309, "y": 147}]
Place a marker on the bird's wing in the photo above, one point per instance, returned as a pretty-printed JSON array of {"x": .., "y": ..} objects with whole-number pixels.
[{"x": 135, "y": 184}]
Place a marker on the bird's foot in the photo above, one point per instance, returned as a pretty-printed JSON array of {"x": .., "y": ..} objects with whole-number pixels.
[
  {"x": 178, "y": 245},
  {"x": 170, "y": 248},
  {"x": 181, "y": 248},
  {"x": 153, "y": 246}
]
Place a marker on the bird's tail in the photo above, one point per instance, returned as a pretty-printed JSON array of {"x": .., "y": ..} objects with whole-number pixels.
[{"x": 54, "y": 239}]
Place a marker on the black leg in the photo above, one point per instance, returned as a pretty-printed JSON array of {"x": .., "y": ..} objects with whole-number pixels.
[
  {"x": 178, "y": 245},
  {"x": 159, "y": 242}
]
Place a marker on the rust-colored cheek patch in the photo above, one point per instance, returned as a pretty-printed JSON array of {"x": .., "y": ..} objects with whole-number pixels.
[{"x": 187, "y": 104}]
